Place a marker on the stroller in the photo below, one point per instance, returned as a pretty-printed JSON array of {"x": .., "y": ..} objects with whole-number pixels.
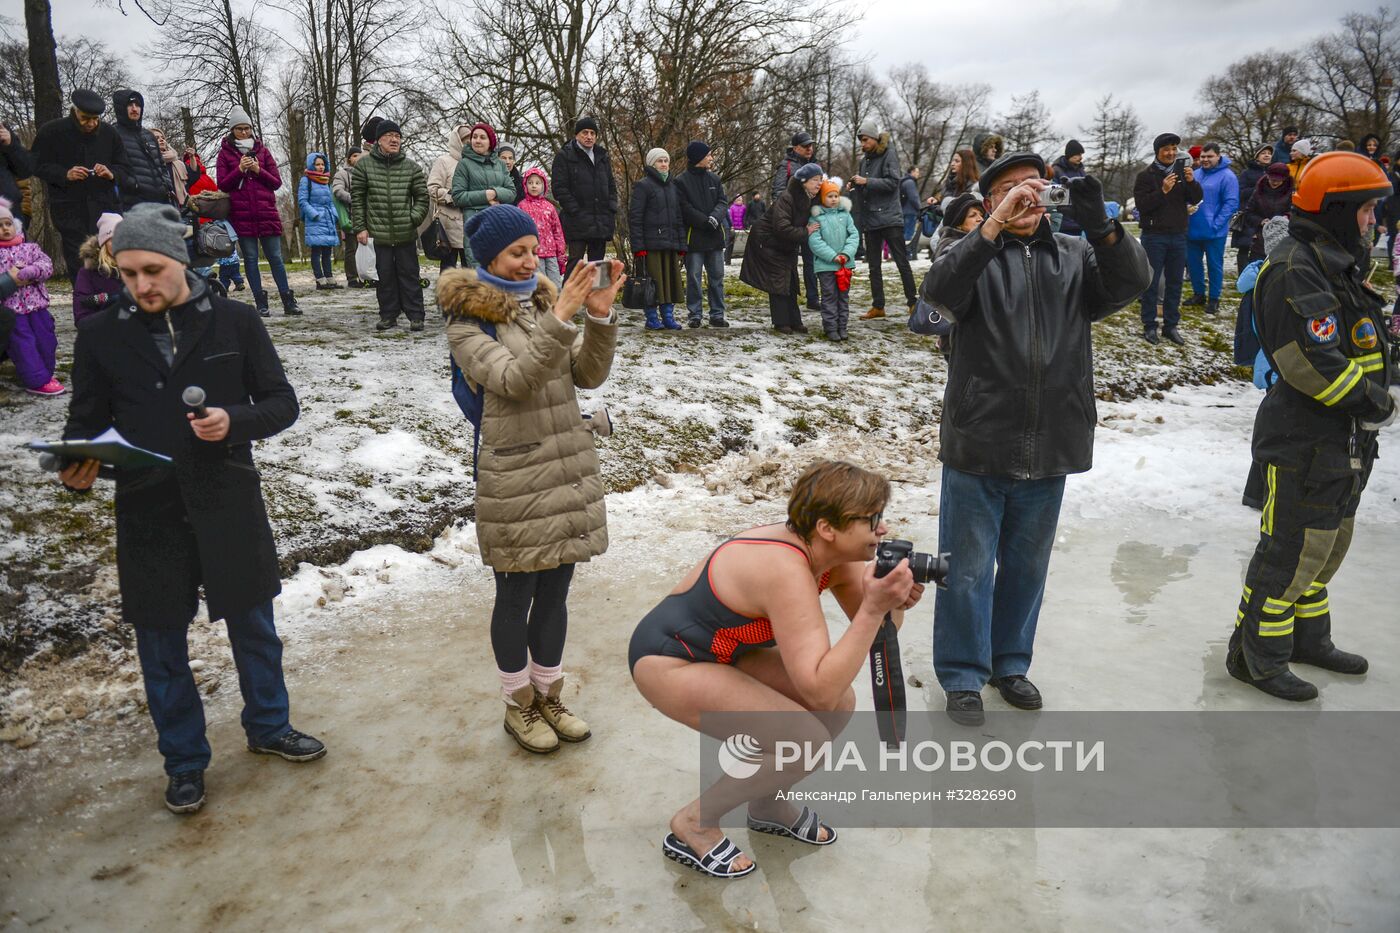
[{"x": 207, "y": 236}]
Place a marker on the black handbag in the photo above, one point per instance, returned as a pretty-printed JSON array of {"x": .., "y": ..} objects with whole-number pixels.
[
  {"x": 639, "y": 292},
  {"x": 436, "y": 246}
]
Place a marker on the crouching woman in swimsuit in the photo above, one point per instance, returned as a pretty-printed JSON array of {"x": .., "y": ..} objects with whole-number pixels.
[{"x": 744, "y": 632}]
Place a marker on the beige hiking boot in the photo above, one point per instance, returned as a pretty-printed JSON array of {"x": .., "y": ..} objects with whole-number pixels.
[
  {"x": 526, "y": 725},
  {"x": 565, "y": 724}
]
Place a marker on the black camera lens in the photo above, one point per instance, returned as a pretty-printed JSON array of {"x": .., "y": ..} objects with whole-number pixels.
[{"x": 927, "y": 568}]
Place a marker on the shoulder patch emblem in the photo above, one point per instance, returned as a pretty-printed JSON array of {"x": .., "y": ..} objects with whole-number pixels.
[
  {"x": 1323, "y": 329},
  {"x": 1363, "y": 334}
]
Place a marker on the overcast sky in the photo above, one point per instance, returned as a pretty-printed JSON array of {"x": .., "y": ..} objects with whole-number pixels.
[{"x": 1154, "y": 56}]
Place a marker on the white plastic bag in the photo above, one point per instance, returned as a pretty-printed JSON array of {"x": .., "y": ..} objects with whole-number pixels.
[{"x": 365, "y": 265}]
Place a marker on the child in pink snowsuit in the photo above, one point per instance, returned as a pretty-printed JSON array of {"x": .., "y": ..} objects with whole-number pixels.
[
  {"x": 33, "y": 342},
  {"x": 552, "y": 251}
]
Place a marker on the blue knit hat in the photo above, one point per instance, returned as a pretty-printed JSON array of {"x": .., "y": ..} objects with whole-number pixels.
[{"x": 497, "y": 227}]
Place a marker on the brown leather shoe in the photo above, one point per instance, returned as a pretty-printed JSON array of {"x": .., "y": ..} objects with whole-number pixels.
[{"x": 872, "y": 314}]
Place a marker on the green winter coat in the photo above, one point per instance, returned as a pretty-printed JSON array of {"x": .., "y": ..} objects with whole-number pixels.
[
  {"x": 475, "y": 173},
  {"x": 838, "y": 235},
  {"x": 388, "y": 197},
  {"x": 539, "y": 490}
]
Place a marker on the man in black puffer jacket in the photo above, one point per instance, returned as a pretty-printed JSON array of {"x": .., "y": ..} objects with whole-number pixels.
[
  {"x": 705, "y": 210},
  {"x": 150, "y": 178},
  {"x": 1018, "y": 414}
]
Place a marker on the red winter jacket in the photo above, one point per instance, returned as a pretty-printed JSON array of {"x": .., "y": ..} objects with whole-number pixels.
[
  {"x": 202, "y": 182},
  {"x": 252, "y": 197}
]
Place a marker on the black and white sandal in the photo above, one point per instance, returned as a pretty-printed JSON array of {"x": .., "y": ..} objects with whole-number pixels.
[
  {"x": 715, "y": 863},
  {"x": 807, "y": 828}
]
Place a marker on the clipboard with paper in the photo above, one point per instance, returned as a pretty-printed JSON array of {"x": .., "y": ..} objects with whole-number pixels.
[{"x": 109, "y": 447}]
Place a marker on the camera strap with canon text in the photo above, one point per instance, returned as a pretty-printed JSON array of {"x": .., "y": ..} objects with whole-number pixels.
[{"x": 887, "y": 683}]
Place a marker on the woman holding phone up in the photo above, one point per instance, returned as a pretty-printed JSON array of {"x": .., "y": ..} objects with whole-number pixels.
[{"x": 539, "y": 493}]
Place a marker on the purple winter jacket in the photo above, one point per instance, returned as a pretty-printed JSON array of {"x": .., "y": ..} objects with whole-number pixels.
[{"x": 252, "y": 198}]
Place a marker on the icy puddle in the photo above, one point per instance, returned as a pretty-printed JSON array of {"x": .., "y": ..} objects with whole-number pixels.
[{"x": 426, "y": 815}]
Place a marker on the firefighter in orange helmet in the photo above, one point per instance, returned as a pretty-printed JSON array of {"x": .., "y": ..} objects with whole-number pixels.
[{"x": 1322, "y": 328}]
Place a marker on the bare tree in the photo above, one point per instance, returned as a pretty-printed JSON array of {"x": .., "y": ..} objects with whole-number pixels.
[
  {"x": 1026, "y": 125},
  {"x": 43, "y": 61},
  {"x": 1251, "y": 102},
  {"x": 1112, "y": 140},
  {"x": 214, "y": 58},
  {"x": 1351, "y": 85}
]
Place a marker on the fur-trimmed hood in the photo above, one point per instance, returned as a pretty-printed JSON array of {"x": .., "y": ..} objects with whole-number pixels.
[
  {"x": 460, "y": 294},
  {"x": 91, "y": 255},
  {"x": 843, "y": 204},
  {"x": 882, "y": 145}
]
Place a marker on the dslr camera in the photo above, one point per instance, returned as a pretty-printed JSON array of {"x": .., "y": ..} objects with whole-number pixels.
[
  {"x": 1055, "y": 196},
  {"x": 927, "y": 567}
]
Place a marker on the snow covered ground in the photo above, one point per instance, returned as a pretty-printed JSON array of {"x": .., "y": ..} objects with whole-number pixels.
[{"x": 380, "y": 453}]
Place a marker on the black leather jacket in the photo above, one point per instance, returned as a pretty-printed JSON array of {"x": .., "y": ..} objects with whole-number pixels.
[{"x": 1020, "y": 396}]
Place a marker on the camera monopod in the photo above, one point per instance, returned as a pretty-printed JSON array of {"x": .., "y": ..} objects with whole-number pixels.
[{"x": 887, "y": 683}]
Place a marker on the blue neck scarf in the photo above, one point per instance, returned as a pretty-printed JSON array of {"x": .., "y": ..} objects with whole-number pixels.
[{"x": 521, "y": 289}]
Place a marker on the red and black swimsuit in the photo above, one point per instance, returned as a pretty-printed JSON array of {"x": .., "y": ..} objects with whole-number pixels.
[{"x": 696, "y": 626}]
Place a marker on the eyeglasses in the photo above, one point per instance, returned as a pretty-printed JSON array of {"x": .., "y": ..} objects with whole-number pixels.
[{"x": 874, "y": 520}]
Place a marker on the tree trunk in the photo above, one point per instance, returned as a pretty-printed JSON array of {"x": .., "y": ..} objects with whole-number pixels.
[
  {"x": 187, "y": 120},
  {"x": 43, "y": 61}
]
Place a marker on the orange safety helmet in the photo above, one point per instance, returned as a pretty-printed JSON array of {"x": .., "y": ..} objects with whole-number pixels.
[{"x": 1339, "y": 177}]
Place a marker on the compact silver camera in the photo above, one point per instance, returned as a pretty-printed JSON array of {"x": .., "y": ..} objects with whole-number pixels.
[{"x": 1054, "y": 196}]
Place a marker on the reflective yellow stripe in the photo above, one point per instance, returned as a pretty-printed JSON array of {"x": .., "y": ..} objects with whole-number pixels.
[
  {"x": 1280, "y": 623},
  {"x": 1266, "y": 519},
  {"x": 1287, "y": 631},
  {"x": 1315, "y": 589},
  {"x": 1371, "y": 362},
  {"x": 1341, "y": 385},
  {"x": 1276, "y": 606},
  {"x": 1312, "y": 610}
]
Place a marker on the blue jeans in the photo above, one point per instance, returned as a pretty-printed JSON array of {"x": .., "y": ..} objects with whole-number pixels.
[
  {"x": 321, "y": 261},
  {"x": 999, "y": 533},
  {"x": 1167, "y": 254},
  {"x": 272, "y": 246},
  {"x": 711, "y": 263},
  {"x": 174, "y": 701},
  {"x": 1213, "y": 251},
  {"x": 911, "y": 223}
]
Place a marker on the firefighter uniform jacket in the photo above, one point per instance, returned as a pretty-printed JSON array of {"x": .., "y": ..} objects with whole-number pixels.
[{"x": 1323, "y": 331}]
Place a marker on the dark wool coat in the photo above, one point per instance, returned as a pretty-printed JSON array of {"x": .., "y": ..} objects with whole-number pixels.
[
  {"x": 61, "y": 144},
  {"x": 16, "y": 162},
  {"x": 200, "y": 521},
  {"x": 586, "y": 192},
  {"x": 776, "y": 240},
  {"x": 150, "y": 179},
  {"x": 252, "y": 197},
  {"x": 654, "y": 214},
  {"x": 877, "y": 201}
]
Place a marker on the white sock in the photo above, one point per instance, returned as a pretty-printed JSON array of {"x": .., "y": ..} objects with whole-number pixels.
[
  {"x": 513, "y": 681},
  {"x": 545, "y": 677}
]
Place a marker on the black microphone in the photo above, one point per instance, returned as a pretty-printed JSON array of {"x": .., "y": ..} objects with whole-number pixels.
[{"x": 194, "y": 398}]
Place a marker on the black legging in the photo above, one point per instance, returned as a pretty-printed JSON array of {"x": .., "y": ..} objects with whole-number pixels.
[{"x": 530, "y": 615}]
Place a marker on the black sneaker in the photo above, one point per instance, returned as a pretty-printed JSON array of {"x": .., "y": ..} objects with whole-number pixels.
[
  {"x": 1212, "y": 307},
  {"x": 1195, "y": 301},
  {"x": 293, "y": 746},
  {"x": 695, "y": 322},
  {"x": 415, "y": 326},
  {"x": 384, "y": 325},
  {"x": 718, "y": 322},
  {"x": 1174, "y": 335},
  {"x": 965, "y": 708},
  {"x": 1150, "y": 335},
  {"x": 1018, "y": 691},
  {"x": 185, "y": 792}
]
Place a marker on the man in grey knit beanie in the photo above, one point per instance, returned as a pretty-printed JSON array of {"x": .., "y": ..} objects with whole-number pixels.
[{"x": 156, "y": 228}]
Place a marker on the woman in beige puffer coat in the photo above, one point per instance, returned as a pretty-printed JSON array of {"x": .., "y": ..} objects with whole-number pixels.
[
  {"x": 539, "y": 492},
  {"x": 440, "y": 193}
]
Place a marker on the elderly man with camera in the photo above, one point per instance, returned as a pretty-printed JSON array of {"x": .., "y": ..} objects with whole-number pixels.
[{"x": 1018, "y": 412}]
